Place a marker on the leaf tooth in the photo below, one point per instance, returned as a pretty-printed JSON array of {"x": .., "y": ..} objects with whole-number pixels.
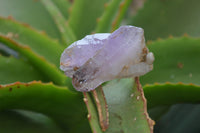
[
  {"x": 149, "y": 42},
  {"x": 106, "y": 5},
  {"x": 170, "y": 36},
  {"x": 185, "y": 35},
  {"x": 98, "y": 20},
  {"x": 180, "y": 83},
  {"x": 170, "y": 83},
  {"x": 70, "y": 9},
  {"x": 167, "y": 82},
  {"x": 159, "y": 39},
  {"x": 156, "y": 83},
  {"x": 10, "y": 17}
]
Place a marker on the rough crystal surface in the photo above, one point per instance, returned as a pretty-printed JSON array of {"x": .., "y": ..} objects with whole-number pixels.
[{"x": 102, "y": 57}]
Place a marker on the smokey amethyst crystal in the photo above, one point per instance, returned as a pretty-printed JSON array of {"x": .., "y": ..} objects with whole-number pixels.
[{"x": 103, "y": 56}]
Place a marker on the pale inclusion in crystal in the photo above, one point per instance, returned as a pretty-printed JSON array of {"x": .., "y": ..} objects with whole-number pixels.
[{"x": 102, "y": 57}]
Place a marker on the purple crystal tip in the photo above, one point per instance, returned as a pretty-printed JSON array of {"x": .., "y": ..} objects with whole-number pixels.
[{"x": 103, "y": 56}]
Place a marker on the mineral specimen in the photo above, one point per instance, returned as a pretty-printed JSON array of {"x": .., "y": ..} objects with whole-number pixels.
[{"x": 103, "y": 56}]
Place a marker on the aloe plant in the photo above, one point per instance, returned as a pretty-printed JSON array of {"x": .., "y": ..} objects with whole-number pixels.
[{"x": 36, "y": 96}]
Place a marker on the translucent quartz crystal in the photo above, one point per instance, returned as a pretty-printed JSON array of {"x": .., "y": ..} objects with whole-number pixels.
[{"x": 102, "y": 57}]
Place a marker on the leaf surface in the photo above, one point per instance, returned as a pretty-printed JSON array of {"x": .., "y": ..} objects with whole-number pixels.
[
  {"x": 66, "y": 32},
  {"x": 48, "y": 69},
  {"x": 181, "y": 118},
  {"x": 63, "y": 6},
  {"x": 126, "y": 106},
  {"x": 27, "y": 36},
  {"x": 83, "y": 16},
  {"x": 58, "y": 103},
  {"x": 13, "y": 70},
  {"x": 169, "y": 94},
  {"x": 31, "y": 12},
  {"x": 176, "y": 60},
  {"x": 163, "y": 18},
  {"x": 19, "y": 121}
]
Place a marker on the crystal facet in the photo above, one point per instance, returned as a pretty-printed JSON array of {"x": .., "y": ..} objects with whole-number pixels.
[{"x": 102, "y": 57}]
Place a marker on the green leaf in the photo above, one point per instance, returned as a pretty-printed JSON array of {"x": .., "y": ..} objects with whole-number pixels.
[
  {"x": 181, "y": 118},
  {"x": 31, "y": 12},
  {"x": 67, "y": 34},
  {"x": 169, "y": 94},
  {"x": 58, "y": 103},
  {"x": 157, "y": 112},
  {"x": 105, "y": 21},
  {"x": 120, "y": 14},
  {"x": 48, "y": 69},
  {"x": 126, "y": 106},
  {"x": 92, "y": 114},
  {"x": 163, "y": 18},
  {"x": 63, "y": 6},
  {"x": 27, "y": 36},
  {"x": 13, "y": 70},
  {"x": 176, "y": 60},
  {"x": 83, "y": 16},
  {"x": 26, "y": 122}
]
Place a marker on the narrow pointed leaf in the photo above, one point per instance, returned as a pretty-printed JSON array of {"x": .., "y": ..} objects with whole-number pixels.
[
  {"x": 120, "y": 14},
  {"x": 92, "y": 114},
  {"x": 63, "y": 6},
  {"x": 83, "y": 16},
  {"x": 105, "y": 21},
  {"x": 67, "y": 34}
]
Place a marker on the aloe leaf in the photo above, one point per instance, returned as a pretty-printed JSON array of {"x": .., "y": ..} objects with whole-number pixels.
[
  {"x": 31, "y": 12},
  {"x": 63, "y": 6},
  {"x": 66, "y": 32},
  {"x": 26, "y": 121},
  {"x": 164, "y": 18},
  {"x": 27, "y": 36},
  {"x": 92, "y": 114},
  {"x": 112, "y": 16},
  {"x": 120, "y": 14},
  {"x": 158, "y": 94},
  {"x": 40, "y": 63},
  {"x": 60, "y": 104},
  {"x": 13, "y": 69},
  {"x": 102, "y": 107},
  {"x": 181, "y": 118},
  {"x": 83, "y": 16},
  {"x": 176, "y": 60},
  {"x": 105, "y": 21},
  {"x": 156, "y": 113},
  {"x": 127, "y": 108}
]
